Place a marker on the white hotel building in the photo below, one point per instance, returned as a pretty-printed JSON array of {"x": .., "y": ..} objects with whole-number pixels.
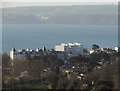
[{"x": 70, "y": 48}]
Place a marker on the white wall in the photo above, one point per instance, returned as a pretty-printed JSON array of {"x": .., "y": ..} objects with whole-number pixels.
[
  {"x": 59, "y": 48},
  {"x": 74, "y": 49}
]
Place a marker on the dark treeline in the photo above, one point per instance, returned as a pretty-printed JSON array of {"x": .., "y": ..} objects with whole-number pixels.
[{"x": 45, "y": 72}]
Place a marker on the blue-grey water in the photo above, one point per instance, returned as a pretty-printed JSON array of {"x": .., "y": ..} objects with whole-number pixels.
[{"x": 23, "y": 36}]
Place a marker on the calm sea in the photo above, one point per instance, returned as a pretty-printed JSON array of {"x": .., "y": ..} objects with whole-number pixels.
[{"x": 23, "y": 36}]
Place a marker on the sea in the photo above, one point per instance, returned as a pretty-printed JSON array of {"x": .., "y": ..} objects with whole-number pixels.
[{"x": 23, "y": 36}]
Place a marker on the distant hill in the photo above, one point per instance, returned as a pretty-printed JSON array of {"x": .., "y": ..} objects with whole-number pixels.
[{"x": 77, "y": 14}]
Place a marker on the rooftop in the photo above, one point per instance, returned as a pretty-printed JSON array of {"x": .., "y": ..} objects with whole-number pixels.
[{"x": 71, "y": 44}]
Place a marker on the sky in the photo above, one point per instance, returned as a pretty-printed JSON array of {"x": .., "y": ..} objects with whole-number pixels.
[
  {"x": 18, "y": 3},
  {"x": 60, "y": 0}
]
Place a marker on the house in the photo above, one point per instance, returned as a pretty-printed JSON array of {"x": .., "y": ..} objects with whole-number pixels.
[
  {"x": 95, "y": 49},
  {"x": 29, "y": 53}
]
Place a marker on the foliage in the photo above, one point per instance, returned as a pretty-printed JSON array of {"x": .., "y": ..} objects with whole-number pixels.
[{"x": 44, "y": 73}]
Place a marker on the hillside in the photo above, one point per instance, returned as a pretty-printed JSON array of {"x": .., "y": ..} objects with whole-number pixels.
[{"x": 83, "y": 14}]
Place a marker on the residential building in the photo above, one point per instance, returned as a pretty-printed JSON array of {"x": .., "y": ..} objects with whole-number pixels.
[{"x": 73, "y": 49}]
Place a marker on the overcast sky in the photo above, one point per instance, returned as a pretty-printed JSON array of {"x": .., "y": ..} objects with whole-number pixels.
[
  {"x": 18, "y": 3},
  {"x": 60, "y": 0}
]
